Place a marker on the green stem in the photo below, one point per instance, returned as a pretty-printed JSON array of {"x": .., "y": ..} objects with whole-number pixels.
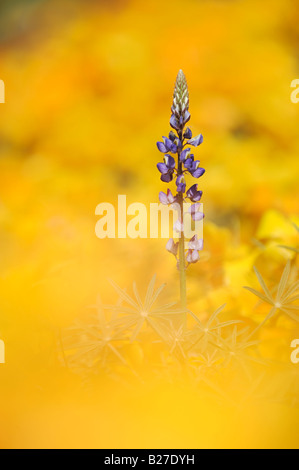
[
  {"x": 182, "y": 261},
  {"x": 182, "y": 269}
]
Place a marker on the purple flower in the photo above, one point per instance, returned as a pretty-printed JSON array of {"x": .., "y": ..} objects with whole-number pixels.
[
  {"x": 167, "y": 146},
  {"x": 193, "y": 167},
  {"x": 172, "y": 247},
  {"x": 193, "y": 194},
  {"x": 192, "y": 256},
  {"x": 168, "y": 198},
  {"x": 175, "y": 140},
  {"x": 172, "y": 136},
  {"x": 174, "y": 122},
  {"x": 188, "y": 133},
  {"x": 184, "y": 155},
  {"x": 178, "y": 226},
  {"x": 198, "y": 172},
  {"x": 194, "y": 210},
  {"x": 196, "y": 141},
  {"x": 181, "y": 184},
  {"x": 195, "y": 243},
  {"x": 186, "y": 117},
  {"x": 167, "y": 168}
]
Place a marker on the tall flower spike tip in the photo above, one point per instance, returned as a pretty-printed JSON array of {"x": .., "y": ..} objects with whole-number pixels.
[{"x": 180, "y": 105}]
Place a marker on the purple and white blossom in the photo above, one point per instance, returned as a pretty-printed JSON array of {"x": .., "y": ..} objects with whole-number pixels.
[
  {"x": 167, "y": 168},
  {"x": 195, "y": 243},
  {"x": 195, "y": 212},
  {"x": 180, "y": 184},
  {"x": 192, "y": 256},
  {"x": 178, "y": 143},
  {"x": 172, "y": 247},
  {"x": 167, "y": 198},
  {"x": 193, "y": 194},
  {"x": 196, "y": 141}
]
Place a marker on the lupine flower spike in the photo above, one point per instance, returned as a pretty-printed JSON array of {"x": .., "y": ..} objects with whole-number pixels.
[{"x": 179, "y": 142}]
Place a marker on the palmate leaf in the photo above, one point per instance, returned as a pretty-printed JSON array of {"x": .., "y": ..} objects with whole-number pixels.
[
  {"x": 158, "y": 327},
  {"x": 293, "y": 288},
  {"x": 137, "y": 296},
  {"x": 238, "y": 348},
  {"x": 213, "y": 318},
  {"x": 224, "y": 324},
  {"x": 124, "y": 324},
  {"x": 283, "y": 301},
  {"x": 283, "y": 281},
  {"x": 259, "y": 294},
  {"x": 137, "y": 312},
  {"x": 268, "y": 317},
  {"x": 291, "y": 314},
  {"x": 215, "y": 314},
  {"x": 156, "y": 295},
  {"x": 120, "y": 309},
  {"x": 166, "y": 311},
  {"x": 173, "y": 337},
  {"x": 208, "y": 330},
  {"x": 123, "y": 295},
  {"x": 137, "y": 330},
  {"x": 81, "y": 353},
  {"x": 262, "y": 282},
  {"x": 150, "y": 292},
  {"x": 282, "y": 295}
]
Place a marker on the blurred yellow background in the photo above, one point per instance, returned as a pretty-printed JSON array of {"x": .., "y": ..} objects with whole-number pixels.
[{"x": 88, "y": 93}]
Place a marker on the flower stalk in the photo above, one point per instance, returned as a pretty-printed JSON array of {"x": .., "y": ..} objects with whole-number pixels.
[
  {"x": 178, "y": 142},
  {"x": 182, "y": 261}
]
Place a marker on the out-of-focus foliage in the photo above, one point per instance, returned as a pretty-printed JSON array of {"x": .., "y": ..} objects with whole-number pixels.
[{"x": 88, "y": 93}]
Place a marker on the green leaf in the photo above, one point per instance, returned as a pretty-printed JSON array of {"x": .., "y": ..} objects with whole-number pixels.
[
  {"x": 293, "y": 288},
  {"x": 258, "y": 294},
  {"x": 137, "y": 330},
  {"x": 123, "y": 295},
  {"x": 156, "y": 295},
  {"x": 226, "y": 323},
  {"x": 283, "y": 281},
  {"x": 137, "y": 296},
  {"x": 150, "y": 292},
  {"x": 215, "y": 314},
  {"x": 262, "y": 282},
  {"x": 292, "y": 315}
]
